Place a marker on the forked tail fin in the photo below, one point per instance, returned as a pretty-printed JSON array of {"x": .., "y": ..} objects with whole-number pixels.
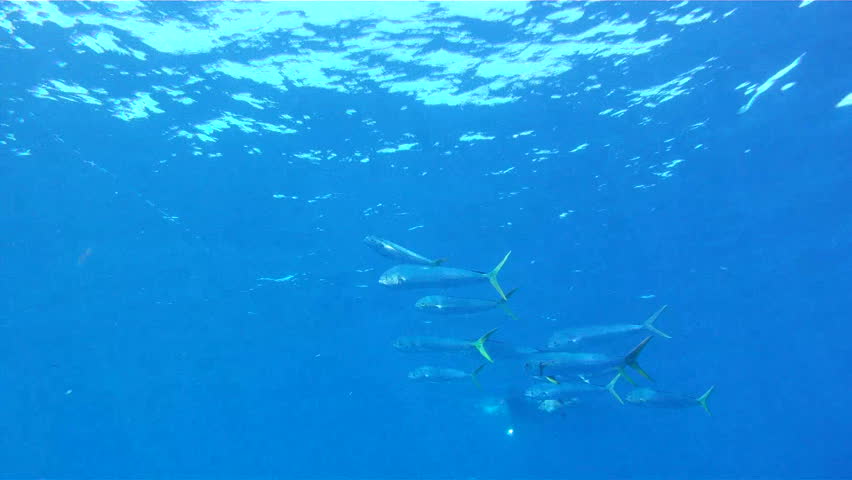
[
  {"x": 475, "y": 375},
  {"x": 480, "y": 345},
  {"x": 703, "y": 399},
  {"x": 506, "y": 308},
  {"x": 492, "y": 276},
  {"x": 631, "y": 358},
  {"x": 649, "y": 324},
  {"x": 611, "y": 387},
  {"x": 626, "y": 377}
]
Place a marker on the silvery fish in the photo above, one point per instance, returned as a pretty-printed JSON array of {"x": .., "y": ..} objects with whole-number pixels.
[
  {"x": 570, "y": 337},
  {"x": 553, "y": 405},
  {"x": 566, "y": 390},
  {"x": 423, "y": 276},
  {"x": 577, "y": 363},
  {"x": 439, "y": 344},
  {"x": 389, "y": 249},
  {"x": 428, "y": 373},
  {"x": 646, "y": 397},
  {"x": 444, "y": 305}
]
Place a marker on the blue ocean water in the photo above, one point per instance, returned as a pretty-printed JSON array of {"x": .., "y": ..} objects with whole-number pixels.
[{"x": 185, "y": 290}]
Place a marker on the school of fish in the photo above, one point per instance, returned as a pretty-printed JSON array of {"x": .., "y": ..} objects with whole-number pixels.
[{"x": 569, "y": 369}]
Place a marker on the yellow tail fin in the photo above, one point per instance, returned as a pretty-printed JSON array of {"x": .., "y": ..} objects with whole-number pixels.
[
  {"x": 480, "y": 345},
  {"x": 492, "y": 276}
]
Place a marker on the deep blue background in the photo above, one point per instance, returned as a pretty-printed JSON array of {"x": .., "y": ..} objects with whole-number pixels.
[{"x": 180, "y": 365}]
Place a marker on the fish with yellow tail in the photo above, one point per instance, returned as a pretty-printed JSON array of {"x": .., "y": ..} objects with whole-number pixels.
[
  {"x": 428, "y": 373},
  {"x": 425, "y": 276},
  {"x": 648, "y": 397},
  {"x": 554, "y": 390},
  {"x": 386, "y": 248},
  {"x": 571, "y": 337},
  {"x": 441, "y": 344},
  {"x": 556, "y": 364},
  {"x": 444, "y": 305}
]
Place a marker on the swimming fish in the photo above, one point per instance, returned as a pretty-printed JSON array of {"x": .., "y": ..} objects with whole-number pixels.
[
  {"x": 423, "y": 276},
  {"x": 576, "y": 363},
  {"x": 572, "y": 336},
  {"x": 444, "y": 305},
  {"x": 398, "y": 252},
  {"x": 428, "y": 373},
  {"x": 566, "y": 390},
  {"x": 647, "y": 397},
  {"x": 508, "y": 351},
  {"x": 438, "y": 344},
  {"x": 552, "y": 405}
]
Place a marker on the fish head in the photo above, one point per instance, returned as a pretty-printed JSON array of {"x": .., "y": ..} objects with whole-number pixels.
[
  {"x": 420, "y": 373},
  {"x": 493, "y": 406},
  {"x": 392, "y": 278},
  {"x": 563, "y": 340},
  {"x": 639, "y": 395},
  {"x": 403, "y": 344},
  {"x": 427, "y": 304},
  {"x": 373, "y": 241},
  {"x": 550, "y": 405},
  {"x": 534, "y": 392}
]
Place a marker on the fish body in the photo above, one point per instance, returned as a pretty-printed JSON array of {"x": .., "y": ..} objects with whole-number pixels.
[
  {"x": 508, "y": 351},
  {"x": 430, "y": 344},
  {"x": 395, "y": 251},
  {"x": 648, "y": 397},
  {"x": 436, "y": 374},
  {"x": 547, "y": 391},
  {"x": 578, "y": 363},
  {"x": 445, "y": 305},
  {"x": 429, "y": 373},
  {"x": 426, "y": 276},
  {"x": 555, "y": 390},
  {"x": 570, "y": 363},
  {"x": 553, "y": 405},
  {"x": 442, "y": 344},
  {"x": 571, "y": 337}
]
